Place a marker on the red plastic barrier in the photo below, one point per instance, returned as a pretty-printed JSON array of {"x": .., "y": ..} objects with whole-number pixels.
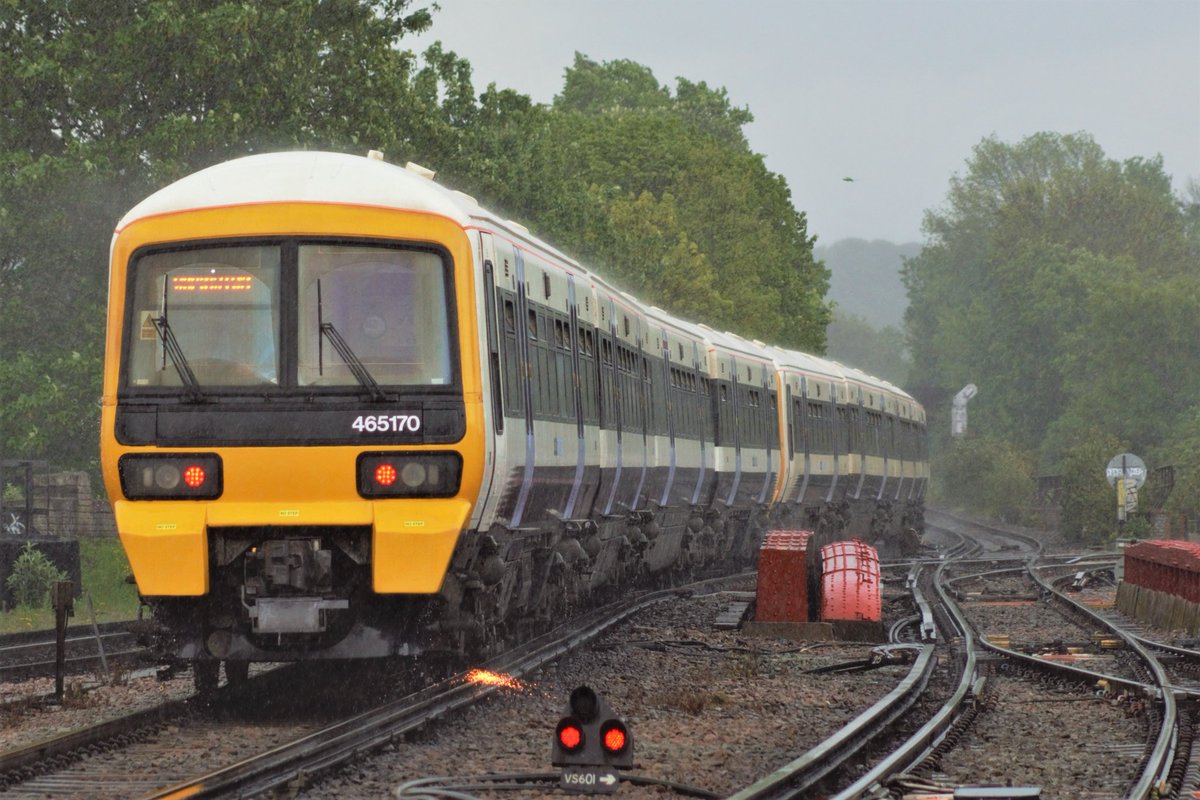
[
  {"x": 782, "y": 577},
  {"x": 851, "y": 588},
  {"x": 1165, "y": 565}
]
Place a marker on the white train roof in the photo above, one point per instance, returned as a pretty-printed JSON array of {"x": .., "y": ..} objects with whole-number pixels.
[
  {"x": 303, "y": 177},
  {"x": 313, "y": 176}
]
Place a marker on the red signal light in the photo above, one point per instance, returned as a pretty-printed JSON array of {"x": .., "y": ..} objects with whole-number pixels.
[
  {"x": 385, "y": 474},
  {"x": 613, "y": 737},
  {"x": 570, "y": 735},
  {"x": 193, "y": 476},
  {"x": 591, "y": 735}
]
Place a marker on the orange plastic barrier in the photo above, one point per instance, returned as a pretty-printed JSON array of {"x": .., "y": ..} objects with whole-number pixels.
[
  {"x": 850, "y": 582},
  {"x": 782, "y": 577}
]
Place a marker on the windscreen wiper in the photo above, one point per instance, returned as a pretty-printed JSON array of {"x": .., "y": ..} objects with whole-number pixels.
[
  {"x": 357, "y": 367},
  {"x": 172, "y": 349}
]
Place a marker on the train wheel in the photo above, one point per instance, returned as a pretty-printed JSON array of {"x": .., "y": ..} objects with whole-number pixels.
[
  {"x": 205, "y": 675},
  {"x": 237, "y": 673}
]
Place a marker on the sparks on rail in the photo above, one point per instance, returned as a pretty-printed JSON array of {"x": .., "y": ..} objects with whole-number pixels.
[{"x": 494, "y": 679}]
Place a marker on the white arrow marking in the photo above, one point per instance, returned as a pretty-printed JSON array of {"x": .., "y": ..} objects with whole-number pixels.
[{"x": 608, "y": 780}]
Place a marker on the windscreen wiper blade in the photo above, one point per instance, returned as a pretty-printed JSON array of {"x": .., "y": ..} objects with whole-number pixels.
[
  {"x": 178, "y": 359},
  {"x": 357, "y": 368}
]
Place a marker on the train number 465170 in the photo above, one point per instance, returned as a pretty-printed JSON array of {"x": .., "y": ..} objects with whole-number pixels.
[{"x": 387, "y": 423}]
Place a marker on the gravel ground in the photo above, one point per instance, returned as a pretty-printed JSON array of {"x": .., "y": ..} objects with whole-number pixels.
[
  {"x": 712, "y": 709},
  {"x": 86, "y": 701},
  {"x": 1073, "y": 745},
  {"x": 707, "y": 708}
]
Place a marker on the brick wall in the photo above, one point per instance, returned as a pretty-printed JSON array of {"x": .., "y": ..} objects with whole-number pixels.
[{"x": 64, "y": 505}]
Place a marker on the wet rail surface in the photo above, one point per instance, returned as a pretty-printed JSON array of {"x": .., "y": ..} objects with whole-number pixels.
[
  {"x": 1067, "y": 704},
  {"x": 87, "y": 650},
  {"x": 1012, "y": 712}
]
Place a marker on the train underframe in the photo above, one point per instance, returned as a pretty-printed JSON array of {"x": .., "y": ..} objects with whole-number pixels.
[{"x": 287, "y": 593}]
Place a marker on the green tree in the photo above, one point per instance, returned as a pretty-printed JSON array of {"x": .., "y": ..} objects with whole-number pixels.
[
  {"x": 1040, "y": 250},
  {"x": 624, "y": 134},
  {"x": 1089, "y": 513},
  {"x": 103, "y": 103},
  {"x": 988, "y": 476},
  {"x": 880, "y": 352},
  {"x": 653, "y": 256},
  {"x": 615, "y": 140},
  {"x": 1182, "y": 451}
]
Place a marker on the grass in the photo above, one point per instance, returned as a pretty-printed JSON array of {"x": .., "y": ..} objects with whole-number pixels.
[{"x": 104, "y": 568}]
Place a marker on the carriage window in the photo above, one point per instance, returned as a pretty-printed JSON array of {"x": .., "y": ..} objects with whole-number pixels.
[
  {"x": 387, "y": 305},
  {"x": 219, "y": 304}
]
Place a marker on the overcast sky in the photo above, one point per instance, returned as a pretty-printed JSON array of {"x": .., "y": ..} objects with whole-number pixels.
[{"x": 891, "y": 93}]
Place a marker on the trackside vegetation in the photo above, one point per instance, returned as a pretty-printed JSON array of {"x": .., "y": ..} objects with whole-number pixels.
[
  {"x": 655, "y": 185},
  {"x": 1060, "y": 281},
  {"x": 1064, "y": 284},
  {"x": 104, "y": 571}
]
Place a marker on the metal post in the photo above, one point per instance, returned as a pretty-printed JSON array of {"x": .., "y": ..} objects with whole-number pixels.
[
  {"x": 99, "y": 640},
  {"x": 63, "y": 599}
]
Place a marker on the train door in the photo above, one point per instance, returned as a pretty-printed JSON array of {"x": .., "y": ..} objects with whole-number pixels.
[
  {"x": 834, "y": 437},
  {"x": 616, "y": 415},
  {"x": 673, "y": 396},
  {"x": 577, "y": 383},
  {"x": 524, "y": 358},
  {"x": 768, "y": 414},
  {"x": 736, "y": 427},
  {"x": 857, "y": 436},
  {"x": 805, "y": 433},
  {"x": 704, "y": 410},
  {"x": 493, "y": 411}
]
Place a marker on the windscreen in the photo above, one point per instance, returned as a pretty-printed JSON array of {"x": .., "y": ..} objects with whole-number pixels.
[
  {"x": 387, "y": 306},
  {"x": 220, "y": 305}
]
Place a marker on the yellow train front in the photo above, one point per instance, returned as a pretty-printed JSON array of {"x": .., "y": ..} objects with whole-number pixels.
[
  {"x": 291, "y": 349},
  {"x": 349, "y": 413}
]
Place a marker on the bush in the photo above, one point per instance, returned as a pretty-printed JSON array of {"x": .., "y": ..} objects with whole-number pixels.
[
  {"x": 1089, "y": 512},
  {"x": 988, "y": 476},
  {"x": 32, "y": 576}
]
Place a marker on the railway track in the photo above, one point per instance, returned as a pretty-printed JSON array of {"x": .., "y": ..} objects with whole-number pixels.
[
  {"x": 921, "y": 728},
  {"x": 88, "y": 650},
  {"x": 1133, "y": 679},
  {"x": 169, "y": 742}
]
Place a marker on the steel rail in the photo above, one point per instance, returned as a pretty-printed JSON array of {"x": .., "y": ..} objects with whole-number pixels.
[
  {"x": 1158, "y": 762},
  {"x": 923, "y": 741},
  {"x": 46, "y": 636},
  {"x": 807, "y": 770},
  {"x": 343, "y": 741},
  {"x": 835, "y": 751},
  {"x": 75, "y": 665},
  {"x": 21, "y": 763}
]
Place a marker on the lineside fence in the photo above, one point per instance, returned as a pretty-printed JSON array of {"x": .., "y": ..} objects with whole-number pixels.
[{"x": 36, "y": 499}]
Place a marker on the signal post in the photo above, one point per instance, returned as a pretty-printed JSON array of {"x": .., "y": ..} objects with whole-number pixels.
[{"x": 590, "y": 744}]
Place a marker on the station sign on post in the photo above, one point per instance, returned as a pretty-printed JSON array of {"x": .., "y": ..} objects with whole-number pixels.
[{"x": 1127, "y": 473}]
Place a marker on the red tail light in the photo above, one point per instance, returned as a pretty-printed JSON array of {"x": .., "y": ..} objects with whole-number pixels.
[
  {"x": 193, "y": 476},
  {"x": 385, "y": 474}
]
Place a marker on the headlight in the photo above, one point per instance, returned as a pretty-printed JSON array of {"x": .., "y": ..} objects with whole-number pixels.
[
  {"x": 412, "y": 474},
  {"x": 170, "y": 476}
]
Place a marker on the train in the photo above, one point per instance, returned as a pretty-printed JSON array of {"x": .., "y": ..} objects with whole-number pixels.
[{"x": 349, "y": 413}]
